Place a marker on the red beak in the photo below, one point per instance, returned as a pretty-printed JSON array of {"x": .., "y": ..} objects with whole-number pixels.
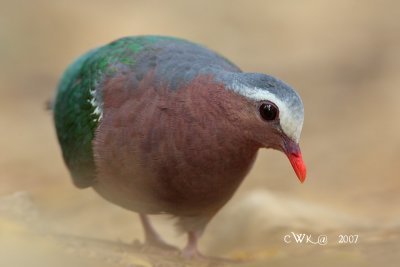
[{"x": 293, "y": 152}]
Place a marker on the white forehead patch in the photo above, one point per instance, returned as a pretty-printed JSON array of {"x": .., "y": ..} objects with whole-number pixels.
[{"x": 291, "y": 116}]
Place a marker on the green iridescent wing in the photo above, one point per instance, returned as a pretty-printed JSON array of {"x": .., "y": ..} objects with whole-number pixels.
[{"x": 78, "y": 96}]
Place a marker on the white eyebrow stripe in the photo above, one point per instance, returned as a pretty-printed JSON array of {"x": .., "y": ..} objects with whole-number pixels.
[{"x": 290, "y": 122}]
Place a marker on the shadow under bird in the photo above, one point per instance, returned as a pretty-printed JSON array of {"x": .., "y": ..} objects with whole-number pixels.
[{"x": 160, "y": 125}]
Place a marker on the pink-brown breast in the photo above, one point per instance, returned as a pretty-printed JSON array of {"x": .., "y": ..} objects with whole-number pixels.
[{"x": 181, "y": 152}]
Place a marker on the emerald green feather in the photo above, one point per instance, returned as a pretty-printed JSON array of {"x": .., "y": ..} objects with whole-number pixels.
[{"x": 75, "y": 117}]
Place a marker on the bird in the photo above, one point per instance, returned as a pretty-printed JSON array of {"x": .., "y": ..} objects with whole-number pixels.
[{"x": 162, "y": 125}]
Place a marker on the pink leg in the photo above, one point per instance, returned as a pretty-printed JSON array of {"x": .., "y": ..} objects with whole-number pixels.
[
  {"x": 191, "y": 251},
  {"x": 151, "y": 236}
]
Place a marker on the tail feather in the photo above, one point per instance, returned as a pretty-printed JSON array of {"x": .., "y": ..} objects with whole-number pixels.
[{"x": 49, "y": 104}]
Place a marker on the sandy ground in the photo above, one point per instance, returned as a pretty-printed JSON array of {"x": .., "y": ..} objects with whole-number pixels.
[{"x": 342, "y": 56}]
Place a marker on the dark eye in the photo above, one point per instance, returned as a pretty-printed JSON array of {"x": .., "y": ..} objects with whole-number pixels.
[{"x": 268, "y": 111}]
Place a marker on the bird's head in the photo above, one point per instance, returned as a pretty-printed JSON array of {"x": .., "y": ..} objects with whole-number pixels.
[{"x": 274, "y": 115}]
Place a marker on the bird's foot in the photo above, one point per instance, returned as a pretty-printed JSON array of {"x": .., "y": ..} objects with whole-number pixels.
[
  {"x": 152, "y": 239},
  {"x": 190, "y": 252}
]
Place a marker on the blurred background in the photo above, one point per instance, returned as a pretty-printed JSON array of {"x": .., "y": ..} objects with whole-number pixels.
[{"x": 343, "y": 57}]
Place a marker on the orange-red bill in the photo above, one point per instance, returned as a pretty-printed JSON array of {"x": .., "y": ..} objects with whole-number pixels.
[
  {"x": 293, "y": 152},
  {"x": 298, "y": 165}
]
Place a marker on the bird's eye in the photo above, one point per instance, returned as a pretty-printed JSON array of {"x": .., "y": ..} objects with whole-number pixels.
[{"x": 268, "y": 111}]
